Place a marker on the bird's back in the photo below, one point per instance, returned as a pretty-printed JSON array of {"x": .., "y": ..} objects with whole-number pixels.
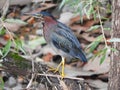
[{"x": 64, "y": 39}]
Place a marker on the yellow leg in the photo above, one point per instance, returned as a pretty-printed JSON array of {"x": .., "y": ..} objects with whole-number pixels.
[
  {"x": 63, "y": 67},
  {"x": 57, "y": 69}
]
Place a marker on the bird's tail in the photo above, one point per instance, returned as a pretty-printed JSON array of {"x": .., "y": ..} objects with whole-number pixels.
[{"x": 81, "y": 56}]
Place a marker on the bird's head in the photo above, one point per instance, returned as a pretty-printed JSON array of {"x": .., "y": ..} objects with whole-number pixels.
[{"x": 41, "y": 14}]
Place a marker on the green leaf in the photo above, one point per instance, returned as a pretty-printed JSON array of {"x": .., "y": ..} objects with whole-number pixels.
[
  {"x": 36, "y": 42},
  {"x": 2, "y": 31},
  {"x": 95, "y": 43},
  {"x": 6, "y": 49},
  {"x": 18, "y": 21},
  {"x": 89, "y": 11},
  {"x": 62, "y": 4},
  {"x": 19, "y": 61},
  {"x": 1, "y": 83},
  {"x": 93, "y": 28},
  {"x": 113, "y": 49},
  {"x": 102, "y": 59},
  {"x": 103, "y": 54},
  {"x": 19, "y": 45},
  {"x": 107, "y": 28},
  {"x": 114, "y": 40}
]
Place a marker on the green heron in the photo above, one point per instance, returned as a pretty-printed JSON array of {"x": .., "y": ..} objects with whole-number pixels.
[{"x": 61, "y": 38}]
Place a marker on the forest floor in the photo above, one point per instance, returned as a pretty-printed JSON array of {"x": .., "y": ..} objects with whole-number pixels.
[{"x": 31, "y": 71}]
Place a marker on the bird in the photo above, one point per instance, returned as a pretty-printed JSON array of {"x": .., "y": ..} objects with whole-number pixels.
[{"x": 61, "y": 38}]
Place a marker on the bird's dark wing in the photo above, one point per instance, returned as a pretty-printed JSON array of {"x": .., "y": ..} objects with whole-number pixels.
[
  {"x": 64, "y": 39},
  {"x": 61, "y": 42},
  {"x": 66, "y": 32}
]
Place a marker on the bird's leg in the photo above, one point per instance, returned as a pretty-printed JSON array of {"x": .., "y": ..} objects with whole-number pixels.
[
  {"x": 62, "y": 64},
  {"x": 57, "y": 69},
  {"x": 63, "y": 67}
]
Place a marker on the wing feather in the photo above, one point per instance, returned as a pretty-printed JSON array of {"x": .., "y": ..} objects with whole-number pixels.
[
  {"x": 64, "y": 39},
  {"x": 66, "y": 32},
  {"x": 61, "y": 42}
]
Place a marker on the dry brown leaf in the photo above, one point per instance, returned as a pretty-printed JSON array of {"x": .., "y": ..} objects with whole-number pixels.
[
  {"x": 44, "y": 7},
  {"x": 85, "y": 26},
  {"x": 78, "y": 27},
  {"x": 14, "y": 2},
  {"x": 86, "y": 37},
  {"x": 31, "y": 20},
  {"x": 12, "y": 26},
  {"x": 11, "y": 15},
  {"x": 109, "y": 43},
  {"x": 26, "y": 30},
  {"x": 47, "y": 57},
  {"x": 94, "y": 65},
  {"x": 20, "y": 79},
  {"x": 77, "y": 18},
  {"x": 6, "y": 36},
  {"x": 89, "y": 23},
  {"x": 95, "y": 52}
]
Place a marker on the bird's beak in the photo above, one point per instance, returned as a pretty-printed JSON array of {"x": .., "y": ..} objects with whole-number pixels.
[{"x": 36, "y": 15}]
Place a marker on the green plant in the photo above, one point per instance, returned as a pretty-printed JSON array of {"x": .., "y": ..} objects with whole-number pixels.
[
  {"x": 1, "y": 83},
  {"x": 93, "y": 9},
  {"x": 13, "y": 40}
]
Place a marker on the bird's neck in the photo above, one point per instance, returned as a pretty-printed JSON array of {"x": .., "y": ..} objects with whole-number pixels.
[
  {"x": 48, "y": 27},
  {"x": 50, "y": 21},
  {"x": 49, "y": 24}
]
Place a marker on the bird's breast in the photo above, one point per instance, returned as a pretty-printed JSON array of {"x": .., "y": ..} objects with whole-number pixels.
[{"x": 48, "y": 29}]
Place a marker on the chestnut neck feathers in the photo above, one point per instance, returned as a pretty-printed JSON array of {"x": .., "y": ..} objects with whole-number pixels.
[
  {"x": 48, "y": 26},
  {"x": 49, "y": 20}
]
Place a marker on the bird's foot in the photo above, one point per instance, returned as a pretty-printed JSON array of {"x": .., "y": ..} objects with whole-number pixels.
[
  {"x": 62, "y": 74},
  {"x": 55, "y": 69},
  {"x": 58, "y": 67},
  {"x": 52, "y": 69},
  {"x": 62, "y": 65}
]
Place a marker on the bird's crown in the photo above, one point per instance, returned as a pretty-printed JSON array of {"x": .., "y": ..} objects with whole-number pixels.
[
  {"x": 40, "y": 14},
  {"x": 45, "y": 13}
]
